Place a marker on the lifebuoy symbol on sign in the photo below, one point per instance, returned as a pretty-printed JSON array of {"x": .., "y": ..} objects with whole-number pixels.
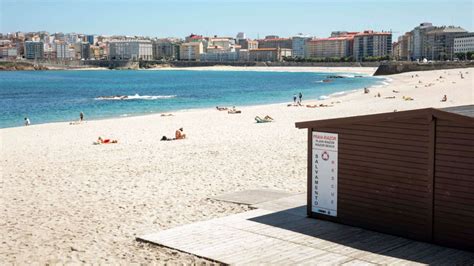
[{"x": 325, "y": 155}]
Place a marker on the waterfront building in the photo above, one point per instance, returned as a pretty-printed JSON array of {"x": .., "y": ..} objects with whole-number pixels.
[
  {"x": 248, "y": 44},
  {"x": 62, "y": 50},
  {"x": 244, "y": 55},
  {"x": 298, "y": 44},
  {"x": 404, "y": 45},
  {"x": 8, "y": 52},
  {"x": 275, "y": 43},
  {"x": 34, "y": 50},
  {"x": 165, "y": 49},
  {"x": 224, "y": 42},
  {"x": 130, "y": 50},
  {"x": 372, "y": 44},
  {"x": 85, "y": 50},
  {"x": 332, "y": 47},
  {"x": 219, "y": 55},
  {"x": 269, "y": 54},
  {"x": 464, "y": 43},
  {"x": 439, "y": 42},
  {"x": 191, "y": 51},
  {"x": 418, "y": 40}
]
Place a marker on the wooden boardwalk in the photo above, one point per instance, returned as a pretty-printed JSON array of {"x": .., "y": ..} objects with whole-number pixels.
[{"x": 282, "y": 234}]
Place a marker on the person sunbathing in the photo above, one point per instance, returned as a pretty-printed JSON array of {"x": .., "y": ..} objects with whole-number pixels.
[
  {"x": 406, "y": 98},
  {"x": 311, "y": 105},
  {"x": 395, "y": 91},
  {"x": 179, "y": 134},
  {"x": 100, "y": 140},
  {"x": 445, "y": 98},
  {"x": 266, "y": 119},
  {"x": 234, "y": 111},
  {"x": 221, "y": 108}
]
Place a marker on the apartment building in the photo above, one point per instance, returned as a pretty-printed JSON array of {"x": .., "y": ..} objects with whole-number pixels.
[
  {"x": 165, "y": 49},
  {"x": 248, "y": 44},
  {"x": 130, "y": 50},
  {"x": 275, "y": 43},
  {"x": 339, "y": 47},
  {"x": 269, "y": 54},
  {"x": 372, "y": 44},
  {"x": 464, "y": 43},
  {"x": 34, "y": 50},
  {"x": 418, "y": 39},
  {"x": 298, "y": 44},
  {"x": 191, "y": 51},
  {"x": 439, "y": 43}
]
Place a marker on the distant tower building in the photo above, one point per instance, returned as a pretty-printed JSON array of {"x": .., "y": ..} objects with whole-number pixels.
[
  {"x": 372, "y": 44},
  {"x": 85, "y": 50},
  {"x": 299, "y": 44},
  {"x": 34, "y": 50},
  {"x": 418, "y": 39},
  {"x": 240, "y": 36},
  {"x": 90, "y": 39}
]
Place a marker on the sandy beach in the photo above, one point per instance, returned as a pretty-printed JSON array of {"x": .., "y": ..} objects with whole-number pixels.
[{"x": 66, "y": 200}]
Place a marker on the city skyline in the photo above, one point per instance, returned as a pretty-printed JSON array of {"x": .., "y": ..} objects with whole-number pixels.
[{"x": 227, "y": 18}]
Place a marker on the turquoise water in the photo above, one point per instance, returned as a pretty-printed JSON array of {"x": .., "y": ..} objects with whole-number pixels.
[{"x": 52, "y": 96}]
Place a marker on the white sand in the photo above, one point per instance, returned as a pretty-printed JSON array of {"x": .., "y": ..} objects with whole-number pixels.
[{"x": 66, "y": 200}]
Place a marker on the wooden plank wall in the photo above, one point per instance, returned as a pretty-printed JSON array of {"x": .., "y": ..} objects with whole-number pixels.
[
  {"x": 454, "y": 184},
  {"x": 384, "y": 183}
]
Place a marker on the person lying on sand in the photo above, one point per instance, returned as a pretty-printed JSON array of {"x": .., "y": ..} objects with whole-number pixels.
[
  {"x": 266, "y": 119},
  {"x": 221, "y": 108},
  {"x": 234, "y": 111},
  {"x": 179, "y": 134},
  {"x": 445, "y": 98},
  {"x": 311, "y": 105},
  {"x": 75, "y": 123},
  {"x": 406, "y": 98},
  {"x": 100, "y": 140},
  {"x": 395, "y": 91},
  {"x": 166, "y": 114},
  {"x": 389, "y": 97},
  {"x": 165, "y": 138}
]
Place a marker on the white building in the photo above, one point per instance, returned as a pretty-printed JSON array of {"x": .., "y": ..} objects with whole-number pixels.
[
  {"x": 298, "y": 45},
  {"x": 131, "y": 50},
  {"x": 63, "y": 51},
  {"x": 464, "y": 44}
]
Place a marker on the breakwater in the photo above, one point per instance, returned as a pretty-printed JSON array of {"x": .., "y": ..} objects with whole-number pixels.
[{"x": 391, "y": 68}]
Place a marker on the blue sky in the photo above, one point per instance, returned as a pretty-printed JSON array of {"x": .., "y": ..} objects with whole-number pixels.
[{"x": 227, "y": 17}]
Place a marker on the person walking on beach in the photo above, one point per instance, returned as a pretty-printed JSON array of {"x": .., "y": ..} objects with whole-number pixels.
[
  {"x": 81, "y": 116},
  {"x": 300, "y": 97},
  {"x": 27, "y": 121},
  {"x": 294, "y": 98}
]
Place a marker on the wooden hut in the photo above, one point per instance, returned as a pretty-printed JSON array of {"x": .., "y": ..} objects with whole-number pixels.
[{"x": 407, "y": 173}]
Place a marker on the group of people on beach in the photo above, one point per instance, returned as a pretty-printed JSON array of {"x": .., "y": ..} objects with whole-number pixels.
[{"x": 297, "y": 99}]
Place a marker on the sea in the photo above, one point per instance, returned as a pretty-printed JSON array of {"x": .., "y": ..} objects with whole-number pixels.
[{"x": 58, "y": 96}]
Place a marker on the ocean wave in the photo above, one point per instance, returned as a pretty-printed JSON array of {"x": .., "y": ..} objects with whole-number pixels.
[
  {"x": 336, "y": 94},
  {"x": 134, "y": 97}
]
